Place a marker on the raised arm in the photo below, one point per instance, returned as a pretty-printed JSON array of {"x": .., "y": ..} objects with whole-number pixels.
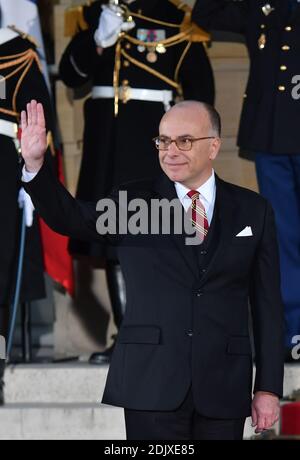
[
  {"x": 52, "y": 201},
  {"x": 223, "y": 15},
  {"x": 34, "y": 137}
]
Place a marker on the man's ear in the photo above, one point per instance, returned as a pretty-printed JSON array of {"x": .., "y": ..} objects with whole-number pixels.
[{"x": 215, "y": 148}]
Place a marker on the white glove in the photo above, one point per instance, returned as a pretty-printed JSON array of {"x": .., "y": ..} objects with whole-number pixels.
[
  {"x": 111, "y": 24},
  {"x": 25, "y": 202}
]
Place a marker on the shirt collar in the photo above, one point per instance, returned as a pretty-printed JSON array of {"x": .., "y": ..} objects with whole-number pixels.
[{"x": 207, "y": 190}]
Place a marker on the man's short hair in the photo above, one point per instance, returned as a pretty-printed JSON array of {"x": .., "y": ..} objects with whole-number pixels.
[
  {"x": 215, "y": 118},
  {"x": 213, "y": 114}
]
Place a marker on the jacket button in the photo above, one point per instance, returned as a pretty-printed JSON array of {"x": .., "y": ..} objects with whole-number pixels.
[
  {"x": 281, "y": 88},
  {"x": 203, "y": 253},
  {"x": 203, "y": 270},
  {"x": 189, "y": 333},
  {"x": 199, "y": 293},
  {"x": 288, "y": 28},
  {"x": 283, "y": 68},
  {"x": 285, "y": 48}
]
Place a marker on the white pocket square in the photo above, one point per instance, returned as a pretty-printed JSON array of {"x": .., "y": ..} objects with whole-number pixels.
[{"x": 246, "y": 232}]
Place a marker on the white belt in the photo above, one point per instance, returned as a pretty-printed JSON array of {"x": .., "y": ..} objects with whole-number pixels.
[
  {"x": 127, "y": 93},
  {"x": 8, "y": 128}
]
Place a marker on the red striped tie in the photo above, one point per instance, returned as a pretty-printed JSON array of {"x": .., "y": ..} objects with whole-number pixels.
[{"x": 199, "y": 217}]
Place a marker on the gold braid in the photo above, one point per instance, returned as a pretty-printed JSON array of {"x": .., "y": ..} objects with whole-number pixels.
[
  {"x": 9, "y": 112},
  {"x": 26, "y": 60},
  {"x": 188, "y": 33},
  {"x": 155, "y": 21},
  {"x": 13, "y": 56},
  {"x": 143, "y": 66},
  {"x": 171, "y": 41},
  {"x": 117, "y": 76},
  {"x": 178, "y": 67}
]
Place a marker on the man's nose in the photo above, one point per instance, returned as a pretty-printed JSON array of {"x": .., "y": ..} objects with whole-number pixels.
[{"x": 173, "y": 149}]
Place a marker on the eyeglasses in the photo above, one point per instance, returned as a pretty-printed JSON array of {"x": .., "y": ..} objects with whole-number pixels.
[{"x": 182, "y": 142}]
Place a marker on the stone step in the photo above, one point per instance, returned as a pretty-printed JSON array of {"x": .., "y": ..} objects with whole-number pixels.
[
  {"x": 79, "y": 383},
  {"x": 61, "y": 422},
  {"x": 55, "y": 383},
  {"x": 69, "y": 422},
  {"x": 62, "y": 401}
]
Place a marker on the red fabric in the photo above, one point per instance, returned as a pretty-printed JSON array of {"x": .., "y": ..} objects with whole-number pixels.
[
  {"x": 199, "y": 217},
  {"x": 290, "y": 419},
  {"x": 57, "y": 260}
]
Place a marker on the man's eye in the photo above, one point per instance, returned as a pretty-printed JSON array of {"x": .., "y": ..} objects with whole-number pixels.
[{"x": 185, "y": 140}]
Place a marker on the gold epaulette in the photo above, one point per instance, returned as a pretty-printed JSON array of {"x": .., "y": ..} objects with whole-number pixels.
[
  {"x": 74, "y": 20},
  {"x": 180, "y": 5},
  {"x": 198, "y": 34},
  {"x": 22, "y": 34}
]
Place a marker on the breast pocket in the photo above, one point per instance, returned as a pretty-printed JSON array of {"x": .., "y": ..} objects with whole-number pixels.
[{"x": 243, "y": 240}]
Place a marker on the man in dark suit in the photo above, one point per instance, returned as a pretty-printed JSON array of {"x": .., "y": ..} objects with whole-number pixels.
[
  {"x": 182, "y": 366},
  {"x": 160, "y": 57},
  {"x": 270, "y": 120}
]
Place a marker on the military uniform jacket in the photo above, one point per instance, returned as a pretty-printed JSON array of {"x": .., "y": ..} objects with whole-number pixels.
[
  {"x": 23, "y": 80},
  {"x": 120, "y": 149},
  {"x": 270, "y": 116}
]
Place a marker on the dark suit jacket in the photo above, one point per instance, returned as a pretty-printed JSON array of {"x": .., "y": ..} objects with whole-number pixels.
[
  {"x": 178, "y": 330},
  {"x": 269, "y": 120}
]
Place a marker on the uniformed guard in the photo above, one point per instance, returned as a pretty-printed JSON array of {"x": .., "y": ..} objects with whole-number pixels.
[
  {"x": 21, "y": 80},
  {"x": 141, "y": 56},
  {"x": 270, "y": 120}
]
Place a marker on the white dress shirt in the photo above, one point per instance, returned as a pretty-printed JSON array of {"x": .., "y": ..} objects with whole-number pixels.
[
  {"x": 25, "y": 200},
  {"x": 207, "y": 196},
  {"x": 27, "y": 176}
]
